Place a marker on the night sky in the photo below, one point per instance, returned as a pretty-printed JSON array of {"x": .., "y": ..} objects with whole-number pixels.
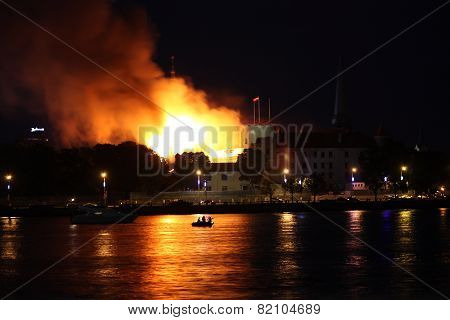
[{"x": 236, "y": 50}]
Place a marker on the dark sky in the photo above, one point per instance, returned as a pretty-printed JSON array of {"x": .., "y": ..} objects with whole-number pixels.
[{"x": 285, "y": 49}]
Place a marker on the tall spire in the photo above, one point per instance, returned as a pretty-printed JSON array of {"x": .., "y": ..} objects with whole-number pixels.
[
  {"x": 172, "y": 67},
  {"x": 340, "y": 117},
  {"x": 419, "y": 146}
]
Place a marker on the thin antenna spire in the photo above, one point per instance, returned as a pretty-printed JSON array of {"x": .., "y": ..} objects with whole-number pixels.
[
  {"x": 255, "y": 100},
  {"x": 254, "y": 111},
  {"x": 419, "y": 145},
  {"x": 340, "y": 116},
  {"x": 259, "y": 111},
  {"x": 172, "y": 69}
]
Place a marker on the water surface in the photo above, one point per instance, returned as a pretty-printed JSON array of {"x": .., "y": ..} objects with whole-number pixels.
[{"x": 244, "y": 256}]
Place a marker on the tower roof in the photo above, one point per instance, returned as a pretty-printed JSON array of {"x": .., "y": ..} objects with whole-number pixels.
[{"x": 340, "y": 115}]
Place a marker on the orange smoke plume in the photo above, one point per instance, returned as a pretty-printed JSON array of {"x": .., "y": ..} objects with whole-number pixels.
[{"x": 85, "y": 104}]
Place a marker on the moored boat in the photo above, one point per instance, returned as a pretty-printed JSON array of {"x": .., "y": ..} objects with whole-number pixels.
[{"x": 101, "y": 215}]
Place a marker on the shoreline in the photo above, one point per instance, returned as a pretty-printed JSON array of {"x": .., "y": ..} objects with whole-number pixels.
[{"x": 249, "y": 208}]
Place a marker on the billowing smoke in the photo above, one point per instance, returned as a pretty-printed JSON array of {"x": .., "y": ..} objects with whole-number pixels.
[{"x": 85, "y": 104}]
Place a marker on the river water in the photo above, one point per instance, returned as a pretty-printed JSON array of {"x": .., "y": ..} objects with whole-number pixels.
[{"x": 244, "y": 256}]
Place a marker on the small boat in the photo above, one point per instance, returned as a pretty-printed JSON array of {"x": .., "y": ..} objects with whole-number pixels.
[
  {"x": 101, "y": 215},
  {"x": 199, "y": 223}
]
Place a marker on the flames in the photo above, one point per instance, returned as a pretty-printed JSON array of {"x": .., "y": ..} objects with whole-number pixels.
[
  {"x": 133, "y": 100},
  {"x": 190, "y": 123}
]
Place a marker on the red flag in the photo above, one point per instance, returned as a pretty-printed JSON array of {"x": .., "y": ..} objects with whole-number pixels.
[{"x": 255, "y": 99}]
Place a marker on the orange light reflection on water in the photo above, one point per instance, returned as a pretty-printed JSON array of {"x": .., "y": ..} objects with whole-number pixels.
[
  {"x": 355, "y": 256},
  {"x": 406, "y": 238},
  {"x": 181, "y": 258},
  {"x": 9, "y": 246}
]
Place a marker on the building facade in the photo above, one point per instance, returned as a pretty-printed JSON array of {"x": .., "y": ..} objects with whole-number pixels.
[
  {"x": 225, "y": 177},
  {"x": 334, "y": 154}
]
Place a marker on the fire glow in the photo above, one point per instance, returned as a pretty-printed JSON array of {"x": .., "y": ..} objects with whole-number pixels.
[
  {"x": 191, "y": 124},
  {"x": 85, "y": 104}
]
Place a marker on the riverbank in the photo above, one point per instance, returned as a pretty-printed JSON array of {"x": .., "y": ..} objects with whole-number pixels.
[{"x": 323, "y": 206}]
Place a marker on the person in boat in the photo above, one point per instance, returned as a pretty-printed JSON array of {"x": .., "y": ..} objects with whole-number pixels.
[
  {"x": 198, "y": 220},
  {"x": 209, "y": 219},
  {"x": 203, "y": 219}
]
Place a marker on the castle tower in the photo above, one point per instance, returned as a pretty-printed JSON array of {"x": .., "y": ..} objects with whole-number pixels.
[{"x": 340, "y": 115}]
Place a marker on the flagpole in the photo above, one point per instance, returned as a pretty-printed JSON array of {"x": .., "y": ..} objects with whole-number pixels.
[
  {"x": 254, "y": 112},
  {"x": 259, "y": 111}
]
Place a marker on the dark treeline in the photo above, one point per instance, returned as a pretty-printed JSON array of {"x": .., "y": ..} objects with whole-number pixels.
[
  {"x": 425, "y": 171},
  {"x": 39, "y": 169},
  {"x": 42, "y": 170}
]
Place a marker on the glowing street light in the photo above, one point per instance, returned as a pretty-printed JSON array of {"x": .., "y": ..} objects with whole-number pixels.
[
  {"x": 8, "y": 179},
  {"x": 198, "y": 173},
  {"x": 354, "y": 170},
  {"x": 103, "y": 175},
  {"x": 402, "y": 169},
  {"x": 285, "y": 173}
]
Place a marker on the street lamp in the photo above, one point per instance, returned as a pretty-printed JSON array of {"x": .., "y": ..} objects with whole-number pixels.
[
  {"x": 103, "y": 175},
  {"x": 285, "y": 172},
  {"x": 198, "y": 173},
  {"x": 402, "y": 169},
  {"x": 354, "y": 170},
  {"x": 8, "y": 179}
]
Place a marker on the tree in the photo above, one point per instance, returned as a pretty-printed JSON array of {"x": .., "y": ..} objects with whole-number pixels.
[
  {"x": 268, "y": 188},
  {"x": 375, "y": 183},
  {"x": 251, "y": 166},
  {"x": 374, "y": 168},
  {"x": 315, "y": 183},
  {"x": 428, "y": 171},
  {"x": 380, "y": 162},
  {"x": 292, "y": 186}
]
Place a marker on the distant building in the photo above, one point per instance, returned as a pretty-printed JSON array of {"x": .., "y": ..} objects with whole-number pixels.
[
  {"x": 36, "y": 135},
  {"x": 335, "y": 154},
  {"x": 356, "y": 186},
  {"x": 225, "y": 177}
]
